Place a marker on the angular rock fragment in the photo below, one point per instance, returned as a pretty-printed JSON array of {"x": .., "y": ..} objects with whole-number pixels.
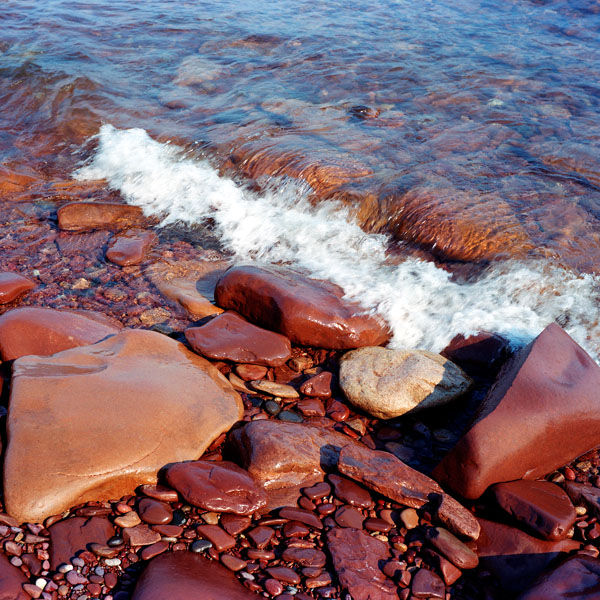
[
  {"x": 13, "y": 285},
  {"x": 79, "y": 216},
  {"x": 426, "y": 584},
  {"x": 584, "y": 495},
  {"x": 387, "y": 383},
  {"x": 126, "y": 381},
  {"x": 130, "y": 247},
  {"x": 307, "y": 311},
  {"x": 452, "y": 548},
  {"x": 525, "y": 427}
]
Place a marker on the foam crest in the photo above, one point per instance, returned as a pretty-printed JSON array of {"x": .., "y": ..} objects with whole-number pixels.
[{"x": 423, "y": 305}]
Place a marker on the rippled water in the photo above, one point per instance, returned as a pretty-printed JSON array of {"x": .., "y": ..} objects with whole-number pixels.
[{"x": 464, "y": 131}]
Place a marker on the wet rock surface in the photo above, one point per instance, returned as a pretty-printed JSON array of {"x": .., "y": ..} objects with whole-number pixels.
[
  {"x": 13, "y": 285},
  {"x": 80, "y": 216},
  {"x": 131, "y": 247}
]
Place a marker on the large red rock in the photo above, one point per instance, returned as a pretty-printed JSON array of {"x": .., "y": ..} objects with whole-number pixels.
[
  {"x": 541, "y": 507},
  {"x": 576, "y": 578},
  {"x": 11, "y": 581},
  {"x": 514, "y": 557},
  {"x": 79, "y": 216},
  {"x": 542, "y": 412},
  {"x": 217, "y": 486},
  {"x": 130, "y": 247},
  {"x": 13, "y": 285},
  {"x": 229, "y": 337},
  {"x": 127, "y": 406},
  {"x": 188, "y": 576},
  {"x": 308, "y": 311},
  {"x": 45, "y": 331}
]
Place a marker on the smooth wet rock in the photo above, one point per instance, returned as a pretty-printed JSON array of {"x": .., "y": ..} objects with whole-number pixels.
[
  {"x": 309, "y": 312},
  {"x": 45, "y": 331},
  {"x": 130, "y": 247},
  {"x": 154, "y": 512},
  {"x": 543, "y": 508},
  {"x": 514, "y": 557},
  {"x": 13, "y": 285},
  {"x": 584, "y": 495},
  {"x": 351, "y": 493},
  {"x": 116, "y": 441},
  {"x": 79, "y": 216},
  {"x": 217, "y": 486},
  {"x": 576, "y": 578},
  {"x": 218, "y": 537},
  {"x": 481, "y": 354},
  {"x": 11, "y": 581},
  {"x": 230, "y": 337},
  {"x": 348, "y": 516},
  {"x": 452, "y": 548},
  {"x": 188, "y": 576},
  {"x": 390, "y": 477},
  {"x": 140, "y": 535},
  {"x": 426, "y": 584},
  {"x": 275, "y": 389},
  {"x": 387, "y": 383},
  {"x": 356, "y": 559},
  {"x": 69, "y": 537},
  {"x": 318, "y": 386},
  {"x": 543, "y": 410}
]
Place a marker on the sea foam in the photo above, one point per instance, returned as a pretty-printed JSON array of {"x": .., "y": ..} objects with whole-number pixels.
[{"x": 420, "y": 301}]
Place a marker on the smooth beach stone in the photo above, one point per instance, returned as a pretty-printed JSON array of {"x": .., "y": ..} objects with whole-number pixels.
[
  {"x": 545, "y": 408},
  {"x": 356, "y": 559},
  {"x": 45, "y": 331},
  {"x": 390, "y": 477},
  {"x": 260, "y": 536},
  {"x": 348, "y": 516},
  {"x": 13, "y": 285},
  {"x": 130, "y": 247},
  {"x": 284, "y": 574},
  {"x": 69, "y": 537},
  {"x": 159, "y": 492},
  {"x": 318, "y": 386},
  {"x": 452, "y": 548},
  {"x": 154, "y": 512},
  {"x": 543, "y": 508},
  {"x": 230, "y": 337},
  {"x": 280, "y": 390},
  {"x": 11, "y": 581},
  {"x": 129, "y": 519},
  {"x": 576, "y": 578},
  {"x": 309, "y": 312},
  {"x": 188, "y": 576},
  {"x": 234, "y": 524},
  {"x": 251, "y": 372},
  {"x": 140, "y": 535},
  {"x": 387, "y": 383},
  {"x": 514, "y": 557},
  {"x": 218, "y": 537},
  {"x": 584, "y": 495},
  {"x": 351, "y": 493},
  {"x": 79, "y": 216},
  {"x": 136, "y": 372},
  {"x": 426, "y": 584},
  {"x": 306, "y": 557},
  {"x": 218, "y": 486},
  {"x": 301, "y": 515}
]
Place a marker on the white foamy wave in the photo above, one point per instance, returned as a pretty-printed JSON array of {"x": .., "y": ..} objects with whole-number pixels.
[{"x": 424, "y": 307}]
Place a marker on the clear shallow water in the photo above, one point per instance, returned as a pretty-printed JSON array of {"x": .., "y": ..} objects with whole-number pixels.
[{"x": 461, "y": 131}]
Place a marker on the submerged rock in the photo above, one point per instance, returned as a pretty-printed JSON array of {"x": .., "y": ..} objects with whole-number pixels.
[
  {"x": 127, "y": 406},
  {"x": 79, "y": 216},
  {"x": 387, "y": 383},
  {"x": 131, "y": 247}
]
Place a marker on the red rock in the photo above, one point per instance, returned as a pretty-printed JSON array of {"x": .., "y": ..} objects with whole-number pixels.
[
  {"x": 219, "y": 538},
  {"x": 318, "y": 386},
  {"x": 514, "y": 557},
  {"x": 356, "y": 558},
  {"x": 131, "y": 247},
  {"x": 348, "y": 516},
  {"x": 306, "y": 557},
  {"x": 351, "y": 493},
  {"x": 301, "y": 515},
  {"x": 154, "y": 550},
  {"x": 13, "y": 285},
  {"x": 69, "y": 537},
  {"x": 234, "y": 524},
  {"x": 88, "y": 244},
  {"x": 426, "y": 584},
  {"x": 229, "y": 337},
  {"x": 233, "y": 563},
  {"x": 452, "y": 548},
  {"x": 154, "y": 512},
  {"x": 11, "y": 581},
  {"x": 116, "y": 441},
  {"x": 140, "y": 535},
  {"x": 217, "y": 486},
  {"x": 309, "y": 312},
  {"x": 188, "y": 576},
  {"x": 159, "y": 492},
  {"x": 390, "y": 477},
  {"x": 576, "y": 578},
  {"x": 284, "y": 574},
  {"x": 540, "y": 506},
  {"x": 260, "y": 536},
  {"x": 251, "y": 372},
  {"x": 585, "y": 495},
  {"x": 79, "y": 216},
  {"x": 45, "y": 331},
  {"x": 544, "y": 394},
  {"x": 478, "y": 354},
  {"x": 449, "y": 572},
  {"x": 311, "y": 407}
]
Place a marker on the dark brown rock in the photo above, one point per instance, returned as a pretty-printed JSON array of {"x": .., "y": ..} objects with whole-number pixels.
[
  {"x": 154, "y": 512},
  {"x": 284, "y": 574},
  {"x": 318, "y": 386},
  {"x": 188, "y": 576},
  {"x": 452, "y": 548},
  {"x": 351, "y": 493},
  {"x": 301, "y": 515},
  {"x": 79, "y": 216},
  {"x": 130, "y": 247},
  {"x": 69, "y": 537},
  {"x": 426, "y": 584},
  {"x": 307, "y": 311},
  {"x": 542, "y": 395},
  {"x": 217, "y": 486},
  {"x": 540, "y": 506},
  {"x": 576, "y": 578},
  {"x": 260, "y": 536},
  {"x": 45, "y": 331},
  {"x": 11, "y": 581},
  {"x": 514, "y": 557},
  {"x": 348, "y": 516},
  {"x": 357, "y": 558},
  {"x": 229, "y": 337},
  {"x": 234, "y": 524},
  {"x": 219, "y": 538},
  {"x": 306, "y": 557},
  {"x": 13, "y": 285},
  {"x": 585, "y": 495},
  {"x": 390, "y": 477},
  {"x": 140, "y": 535},
  {"x": 478, "y": 354}
]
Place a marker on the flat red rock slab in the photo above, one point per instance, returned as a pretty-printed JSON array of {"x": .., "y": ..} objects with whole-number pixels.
[
  {"x": 543, "y": 411},
  {"x": 45, "y": 331},
  {"x": 390, "y": 477},
  {"x": 230, "y": 337},
  {"x": 188, "y": 576},
  {"x": 514, "y": 557},
  {"x": 13, "y": 285},
  {"x": 356, "y": 558},
  {"x": 217, "y": 486},
  {"x": 540, "y": 506},
  {"x": 307, "y": 311},
  {"x": 577, "y": 578},
  {"x": 79, "y": 216},
  {"x": 130, "y": 247},
  {"x": 11, "y": 581}
]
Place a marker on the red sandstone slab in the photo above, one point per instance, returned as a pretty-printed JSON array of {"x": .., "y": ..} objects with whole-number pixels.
[{"x": 13, "y": 285}]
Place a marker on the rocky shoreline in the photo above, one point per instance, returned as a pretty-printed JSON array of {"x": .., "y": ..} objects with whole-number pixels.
[{"x": 181, "y": 427}]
